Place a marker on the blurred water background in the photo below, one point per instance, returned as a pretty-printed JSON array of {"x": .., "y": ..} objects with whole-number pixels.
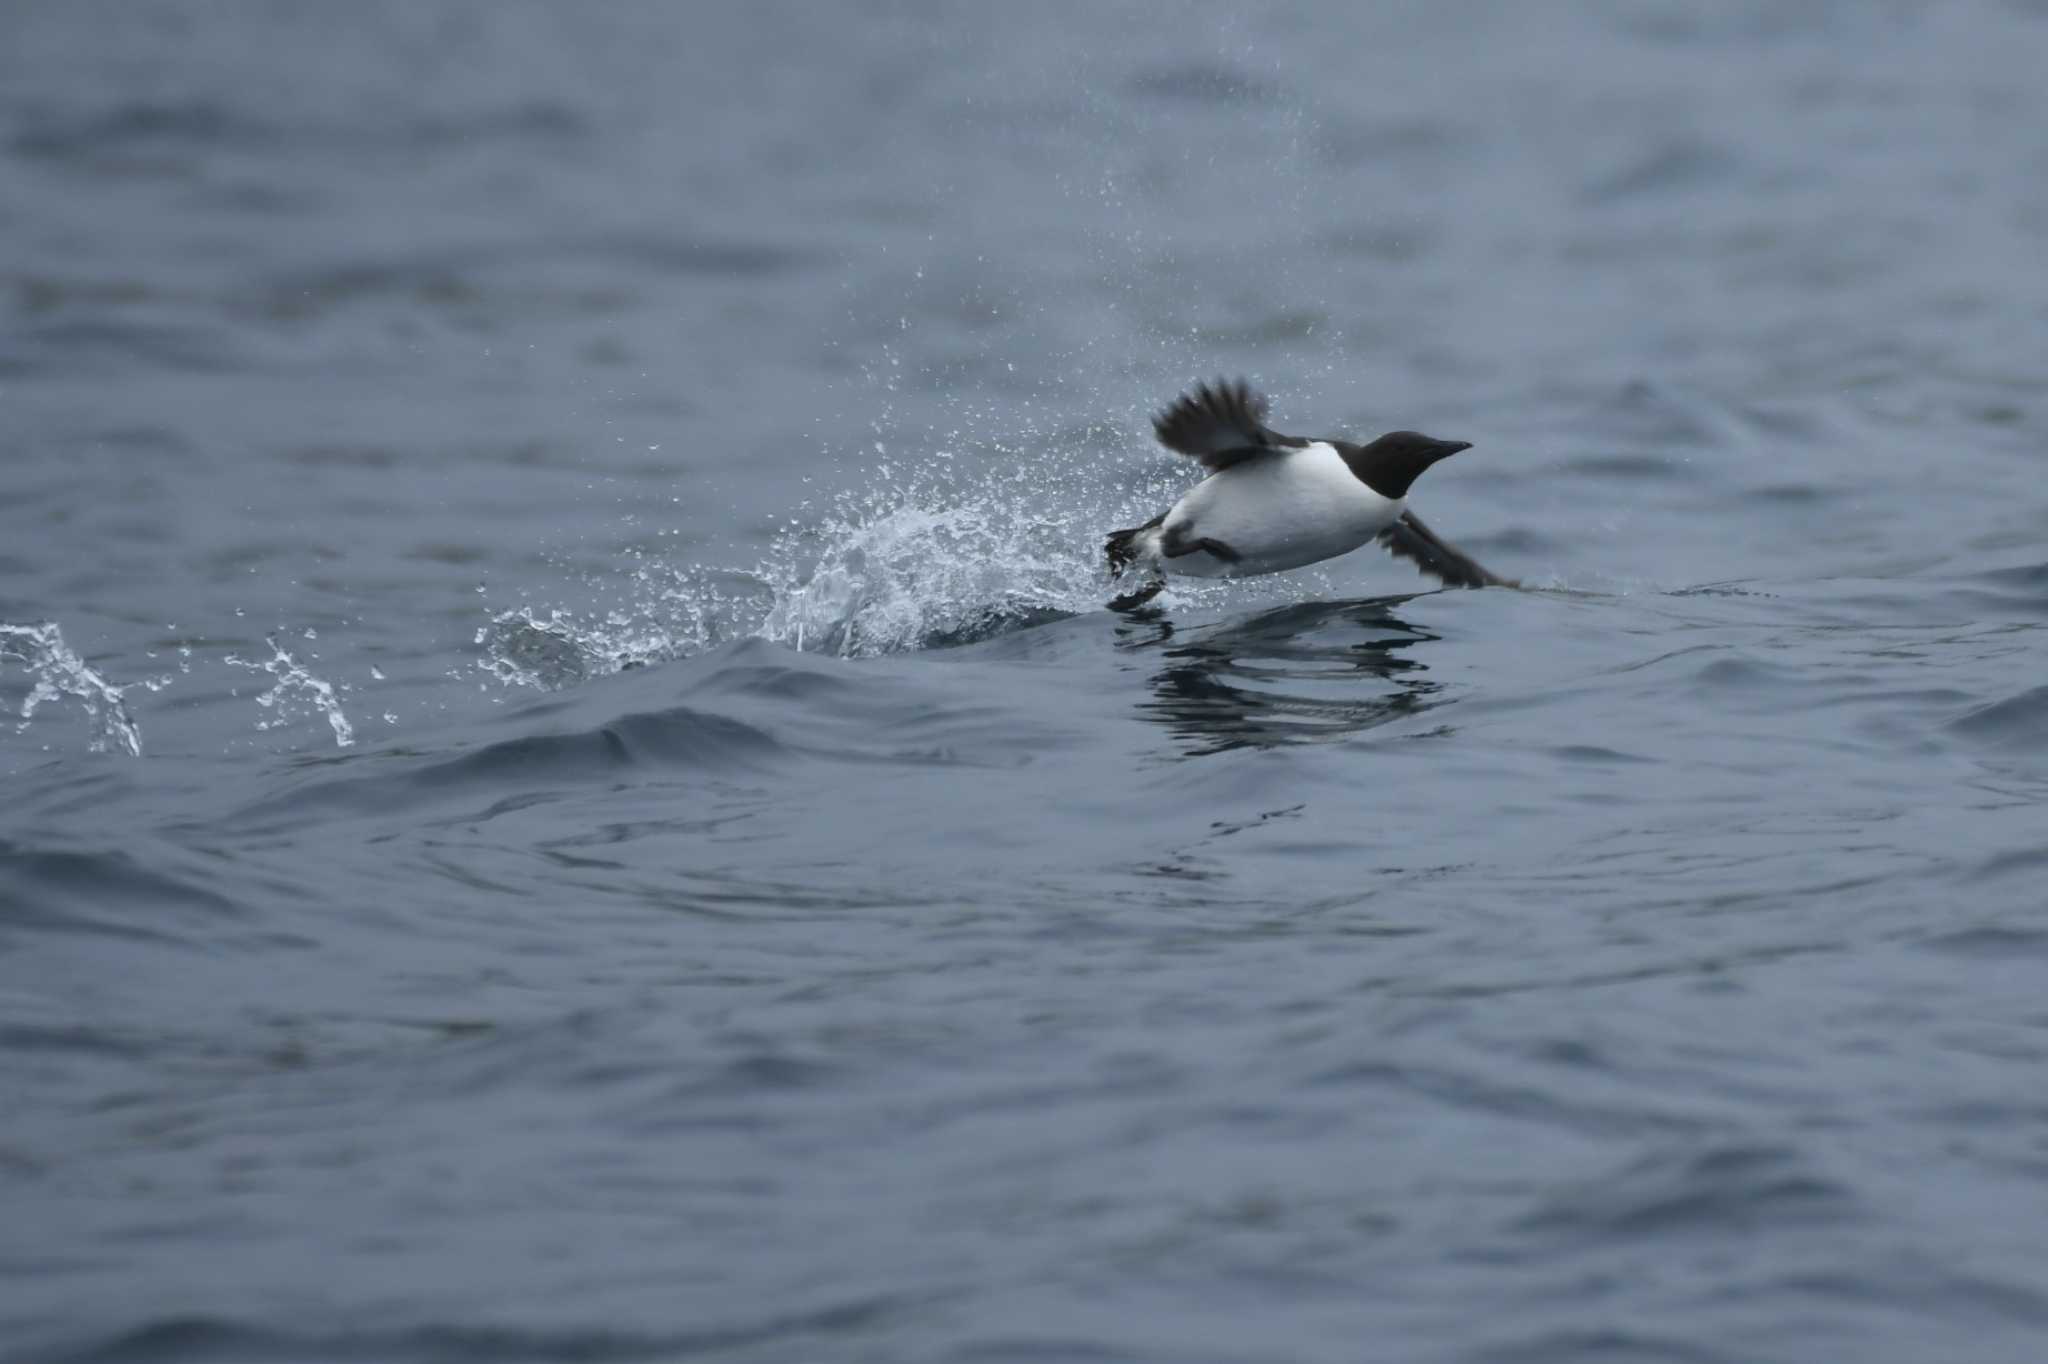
[{"x": 566, "y": 792}]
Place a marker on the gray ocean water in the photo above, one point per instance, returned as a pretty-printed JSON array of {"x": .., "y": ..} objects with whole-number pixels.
[{"x": 566, "y": 792}]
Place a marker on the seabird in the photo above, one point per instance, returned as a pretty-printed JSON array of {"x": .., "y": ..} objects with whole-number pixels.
[{"x": 1274, "y": 502}]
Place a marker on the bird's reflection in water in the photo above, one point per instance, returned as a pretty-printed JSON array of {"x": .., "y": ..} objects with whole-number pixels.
[{"x": 1299, "y": 674}]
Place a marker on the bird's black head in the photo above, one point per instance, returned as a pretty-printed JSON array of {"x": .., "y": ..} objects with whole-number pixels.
[{"x": 1391, "y": 464}]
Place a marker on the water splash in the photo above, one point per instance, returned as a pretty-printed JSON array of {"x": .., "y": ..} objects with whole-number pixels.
[
  {"x": 919, "y": 574},
  {"x": 296, "y": 692},
  {"x": 522, "y": 649},
  {"x": 926, "y": 560},
  {"x": 56, "y": 672},
  {"x": 670, "y": 612}
]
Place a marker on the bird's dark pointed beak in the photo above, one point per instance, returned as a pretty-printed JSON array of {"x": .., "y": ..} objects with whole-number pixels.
[{"x": 1446, "y": 448}]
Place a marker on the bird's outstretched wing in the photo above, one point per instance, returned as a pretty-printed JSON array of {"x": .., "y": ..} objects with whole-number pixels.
[
  {"x": 1220, "y": 424},
  {"x": 1408, "y": 538}
]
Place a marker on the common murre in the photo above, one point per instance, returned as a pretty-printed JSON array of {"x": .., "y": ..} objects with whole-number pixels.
[{"x": 1274, "y": 502}]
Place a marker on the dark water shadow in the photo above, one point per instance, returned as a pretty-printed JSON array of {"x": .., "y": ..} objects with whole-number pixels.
[{"x": 1307, "y": 673}]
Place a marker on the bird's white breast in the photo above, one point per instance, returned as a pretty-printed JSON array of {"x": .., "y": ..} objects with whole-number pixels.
[{"x": 1279, "y": 512}]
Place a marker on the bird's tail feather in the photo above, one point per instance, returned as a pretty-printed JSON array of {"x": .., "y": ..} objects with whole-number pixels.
[
  {"x": 1122, "y": 545},
  {"x": 1122, "y": 548},
  {"x": 1123, "y": 551}
]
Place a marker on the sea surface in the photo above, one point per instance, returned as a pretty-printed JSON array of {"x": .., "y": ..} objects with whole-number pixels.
[{"x": 567, "y": 792}]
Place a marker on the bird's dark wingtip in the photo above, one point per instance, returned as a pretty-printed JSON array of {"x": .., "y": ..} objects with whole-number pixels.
[{"x": 1408, "y": 538}]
